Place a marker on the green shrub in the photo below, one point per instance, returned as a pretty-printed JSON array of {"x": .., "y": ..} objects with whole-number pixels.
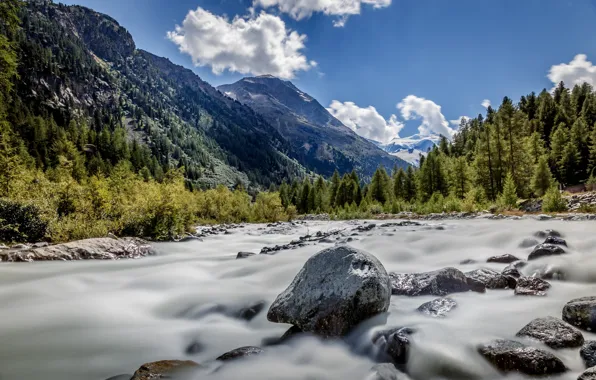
[
  {"x": 21, "y": 222},
  {"x": 553, "y": 201}
]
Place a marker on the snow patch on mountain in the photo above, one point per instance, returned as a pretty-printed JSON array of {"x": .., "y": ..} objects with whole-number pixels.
[{"x": 410, "y": 148}]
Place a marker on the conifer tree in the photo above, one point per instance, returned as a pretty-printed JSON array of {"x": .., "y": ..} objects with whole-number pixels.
[
  {"x": 399, "y": 184},
  {"x": 410, "y": 184},
  {"x": 508, "y": 197},
  {"x": 543, "y": 178},
  {"x": 335, "y": 181},
  {"x": 379, "y": 186}
]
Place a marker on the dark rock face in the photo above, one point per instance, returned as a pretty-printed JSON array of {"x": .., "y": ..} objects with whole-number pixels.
[
  {"x": 438, "y": 307},
  {"x": 503, "y": 259},
  {"x": 588, "y": 353},
  {"x": 512, "y": 356},
  {"x": 386, "y": 371},
  {"x": 581, "y": 312},
  {"x": 555, "y": 240},
  {"x": 437, "y": 283},
  {"x": 531, "y": 286},
  {"x": 88, "y": 249},
  {"x": 244, "y": 255},
  {"x": 546, "y": 233},
  {"x": 553, "y": 332},
  {"x": 241, "y": 352},
  {"x": 163, "y": 369},
  {"x": 543, "y": 250},
  {"x": 393, "y": 345},
  {"x": 528, "y": 242},
  {"x": 335, "y": 290},
  {"x": 589, "y": 374},
  {"x": 489, "y": 278}
]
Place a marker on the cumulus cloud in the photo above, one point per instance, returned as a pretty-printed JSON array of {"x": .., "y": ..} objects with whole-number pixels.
[
  {"x": 458, "y": 121},
  {"x": 367, "y": 122},
  {"x": 485, "y": 103},
  {"x": 257, "y": 44},
  {"x": 433, "y": 121},
  {"x": 342, "y": 9},
  {"x": 578, "y": 71}
]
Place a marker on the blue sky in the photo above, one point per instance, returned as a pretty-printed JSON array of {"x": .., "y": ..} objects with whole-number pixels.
[{"x": 420, "y": 54}]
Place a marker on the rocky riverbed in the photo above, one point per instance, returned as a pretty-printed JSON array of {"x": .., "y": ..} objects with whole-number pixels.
[{"x": 440, "y": 299}]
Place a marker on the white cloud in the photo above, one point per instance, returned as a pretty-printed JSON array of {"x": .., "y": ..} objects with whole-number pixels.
[
  {"x": 342, "y": 9},
  {"x": 433, "y": 121},
  {"x": 367, "y": 122},
  {"x": 485, "y": 103},
  {"x": 458, "y": 121},
  {"x": 578, "y": 71},
  {"x": 256, "y": 44}
]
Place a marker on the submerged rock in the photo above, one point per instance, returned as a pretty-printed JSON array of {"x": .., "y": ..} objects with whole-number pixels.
[
  {"x": 588, "y": 353},
  {"x": 589, "y": 374},
  {"x": 531, "y": 286},
  {"x": 467, "y": 262},
  {"x": 502, "y": 259},
  {"x": 386, "y": 371},
  {"x": 546, "y": 233},
  {"x": 581, "y": 312},
  {"x": 335, "y": 290},
  {"x": 438, "y": 307},
  {"x": 163, "y": 369},
  {"x": 555, "y": 240},
  {"x": 491, "y": 279},
  {"x": 513, "y": 269},
  {"x": 543, "y": 250},
  {"x": 88, "y": 249},
  {"x": 393, "y": 345},
  {"x": 241, "y": 352},
  {"x": 512, "y": 356},
  {"x": 244, "y": 255},
  {"x": 437, "y": 283},
  {"x": 528, "y": 242},
  {"x": 553, "y": 332}
]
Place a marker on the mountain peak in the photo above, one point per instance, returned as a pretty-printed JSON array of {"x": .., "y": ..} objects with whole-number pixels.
[{"x": 268, "y": 76}]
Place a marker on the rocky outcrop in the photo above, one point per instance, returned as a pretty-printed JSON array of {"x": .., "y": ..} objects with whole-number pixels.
[
  {"x": 581, "y": 312},
  {"x": 503, "y": 259},
  {"x": 437, "y": 283},
  {"x": 492, "y": 279},
  {"x": 438, "y": 307},
  {"x": 512, "y": 356},
  {"x": 393, "y": 345},
  {"x": 88, "y": 249},
  {"x": 163, "y": 369},
  {"x": 531, "y": 286},
  {"x": 239, "y": 353},
  {"x": 545, "y": 249},
  {"x": 334, "y": 291},
  {"x": 553, "y": 332},
  {"x": 588, "y": 353}
]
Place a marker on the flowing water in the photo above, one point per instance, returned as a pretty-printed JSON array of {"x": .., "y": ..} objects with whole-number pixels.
[{"x": 92, "y": 320}]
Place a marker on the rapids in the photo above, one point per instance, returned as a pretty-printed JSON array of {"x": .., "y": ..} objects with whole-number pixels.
[{"x": 96, "y": 319}]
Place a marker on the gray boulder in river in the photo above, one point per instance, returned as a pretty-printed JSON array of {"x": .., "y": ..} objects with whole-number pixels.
[
  {"x": 588, "y": 353},
  {"x": 335, "y": 290},
  {"x": 438, "y": 307},
  {"x": 89, "y": 249},
  {"x": 512, "y": 356},
  {"x": 492, "y": 279},
  {"x": 589, "y": 374},
  {"x": 163, "y": 369},
  {"x": 553, "y": 332},
  {"x": 531, "y": 286},
  {"x": 581, "y": 312},
  {"x": 437, "y": 283},
  {"x": 545, "y": 249}
]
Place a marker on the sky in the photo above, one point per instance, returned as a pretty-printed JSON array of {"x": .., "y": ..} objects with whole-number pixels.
[{"x": 385, "y": 68}]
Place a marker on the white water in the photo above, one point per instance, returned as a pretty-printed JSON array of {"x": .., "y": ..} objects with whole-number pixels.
[{"x": 92, "y": 320}]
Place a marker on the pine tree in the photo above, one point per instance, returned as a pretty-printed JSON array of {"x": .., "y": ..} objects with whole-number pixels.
[
  {"x": 410, "y": 184},
  {"x": 592, "y": 154},
  {"x": 558, "y": 141},
  {"x": 569, "y": 164},
  {"x": 399, "y": 184},
  {"x": 508, "y": 197},
  {"x": 335, "y": 181},
  {"x": 379, "y": 186},
  {"x": 460, "y": 177},
  {"x": 543, "y": 178}
]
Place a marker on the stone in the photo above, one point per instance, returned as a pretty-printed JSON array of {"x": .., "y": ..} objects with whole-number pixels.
[
  {"x": 528, "y": 242},
  {"x": 20, "y": 246},
  {"x": 589, "y": 374},
  {"x": 194, "y": 348},
  {"x": 393, "y": 345},
  {"x": 531, "y": 286},
  {"x": 553, "y": 332},
  {"x": 502, "y": 259},
  {"x": 512, "y": 356},
  {"x": 555, "y": 240},
  {"x": 588, "y": 353},
  {"x": 543, "y": 250},
  {"x": 88, "y": 249},
  {"x": 546, "y": 233},
  {"x": 438, "y": 307},
  {"x": 244, "y": 255},
  {"x": 581, "y": 312},
  {"x": 437, "y": 283},
  {"x": 386, "y": 371},
  {"x": 239, "y": 353},
  {"x": 248, "y": 313},
  {"x": 335, "y": 290},
  {"x": 489, "y": 278},
  {"x": 467, "y": 262},
  {"x": 513, "y": 269},
  {"x": 163, "y": 369}
]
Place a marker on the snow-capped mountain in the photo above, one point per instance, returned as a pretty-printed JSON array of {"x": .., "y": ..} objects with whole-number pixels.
[{"x": 410, "y": 148}]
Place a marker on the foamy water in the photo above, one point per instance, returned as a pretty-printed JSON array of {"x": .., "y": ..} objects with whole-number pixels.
[{"x": 93, "y": 320}]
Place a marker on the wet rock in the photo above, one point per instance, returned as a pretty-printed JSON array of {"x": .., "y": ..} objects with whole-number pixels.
[
  {"x": 405, "y": 223},
  {"x": 194, "y": 348},
  {"x": 242, "y": 352},
  {"x": 163, "y": 369},
  {"x": 365, "y": 228},
  {"x": 246, "y": 312},
  {"x": 546, "y": 233},
  {"x": 393, "y": 345},
  {"x": 555, "y": 240},
  {"x": 528, "y": 242},
  {"x": 502, "y": 259},
  {"x": 88, "y": 249},
  {"x": 386, "y": 371},
  {"x": 513, "y": 269},
  {"x": 244, "y": 255},
  {"x": 588, "y": 353},
  {"x": 581, "y": 312},
  {"x": 467, "y": 261},
  {"x": 512, "y": 356},
  {"x": 489, "y": 278},
  {"x": 335, "y": 290},
  {"x": 553, "y": 332},
  {"x": 549, "y": 272},
  {"x": 589, "y": 374},
  {"x": 291, "y": 333},
  {"x": 437, "y": 283},
  {"x": 438, "y": 307},
  {"x": 531, "y": 286},
  {"x": 249, "y": 312},
  {"x": 543, "y": 250}
]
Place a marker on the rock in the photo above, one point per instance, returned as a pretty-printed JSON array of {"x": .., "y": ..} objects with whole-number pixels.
[
  {"x": 20, "y": 246},
  {"x": 40, "y": 244},
  {"x": 393, "y": 345},
  {"x": 489, "y": 278},
  {"x": 467, "y": 261},
  {"x": 163, "y": 369},
  {"x": 438, "y": 307},
  {"x": 581, "y": 312},
  {"x": 291, "y": 333},
  {"x": 88, "y": 249},
  {"x": 386, "y": 371},
  {"x": 248, "y": 313},
  {"x": 549, "y": 272},
  {"x": 543, "y": 250},
  {"x": 194, "y": 348},
  {"x": 555, "y": 240},
  {"x": 120, "y": 377},
  {"x": 553, "y": 332},
  {"x": 437, "y": 283},
  {"x": 503, "y": 259},
  {"x": 242, "y": 352},
  {"x": 512, "y": 356},
  {"x": 588, "y": 353},
  {"x": 546, "y": 233},
  {"x": 531, "y": 286},
  {"x": 589, "y": 374},
  {"x": 528, "y": 242},
  {"x": 512, "y": 269},
  {"x": 335, "y": 290},
  {"x": 244, "y": 255},
  {"x": 365, "y": 228}
]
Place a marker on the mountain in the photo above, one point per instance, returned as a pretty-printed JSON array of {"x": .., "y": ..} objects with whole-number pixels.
[
  {"x": 410, "y": 148},
  {"x": 319, "y": 141}
]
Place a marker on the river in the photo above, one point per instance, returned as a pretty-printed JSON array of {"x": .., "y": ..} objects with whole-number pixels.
[{"x": 96, "y": 319}]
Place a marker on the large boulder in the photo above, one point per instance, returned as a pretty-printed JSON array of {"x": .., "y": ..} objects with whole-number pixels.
[
  {"x": 543, "y": 250},
  {"x": 334, "y": 291},
  {"x": 502, "y": 259},
  {"x": 588, "y": 353},
  {"x": 512, "y": 356},
  {"x": 553, "y": 332},
  {"x": 589, "y": 374},
  {"x": 89, "y": 249},
  {"x": 531, "y": 286},
  {"x": 163, "y": 369},
  {"x": 437, "y": 283},
  {"x": 438, "y": 307},
  {"x": 492, "y": 279},
  {"x": 581, "y": 312}
]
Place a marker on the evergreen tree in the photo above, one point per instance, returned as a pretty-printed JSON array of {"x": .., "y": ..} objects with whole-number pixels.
[
  {"x": 508, "y": 197},
  {"x": 399, "y": 182},
  {"x": 379, "y": 186},
  {"x": 335, "y": 181},
  {"x": 410, "y": 184},
  {"x": 543, "y": 178}
]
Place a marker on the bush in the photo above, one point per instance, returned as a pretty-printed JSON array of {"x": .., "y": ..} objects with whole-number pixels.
[
  {"x": 553, "y": 201},
  {"x": 21, "y": 223}
]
